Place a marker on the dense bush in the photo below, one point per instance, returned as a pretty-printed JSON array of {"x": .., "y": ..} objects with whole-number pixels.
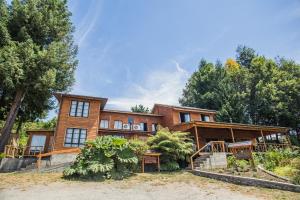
[
  {"x": 106, "y": 157},
  {"x": 282, "y": 162},
  {"x": 238, "y": 165},
  {"x": 174, "y": 146}
]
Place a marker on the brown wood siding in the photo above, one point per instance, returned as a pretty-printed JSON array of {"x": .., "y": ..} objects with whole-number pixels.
[
  {"x": 112, "y": 116},
  {"x": 66, "y": 121}
]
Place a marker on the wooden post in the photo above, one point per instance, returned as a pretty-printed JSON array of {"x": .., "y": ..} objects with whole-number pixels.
[
  {"x": 143, "y": 164},
  {"x": 158, "y": 163},
  {"x": 263, "y": 137},
  {"x": 232, "y": 135},
  {"x": 192, "y": 164},
  {"x": 197, "y": 137}
]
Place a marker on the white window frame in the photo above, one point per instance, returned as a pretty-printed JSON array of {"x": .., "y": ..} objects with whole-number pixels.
[
  {"x": 79, "y": 108},
  {"x": 75, "y": 137},
  {"x": 104, "y": 123},
  {"x": 118, "y": 124}
]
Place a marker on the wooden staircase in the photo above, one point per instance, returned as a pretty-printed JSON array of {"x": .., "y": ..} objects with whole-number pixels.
[{"x": 200, "y": 158}]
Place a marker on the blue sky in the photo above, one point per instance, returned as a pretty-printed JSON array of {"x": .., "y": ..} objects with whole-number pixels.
[{"x": 143, "y": 51}]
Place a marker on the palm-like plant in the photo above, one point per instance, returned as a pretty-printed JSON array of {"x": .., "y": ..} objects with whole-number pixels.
[
  {"x": 105, "y": 157},
  {"x": 174, "y": 146}
]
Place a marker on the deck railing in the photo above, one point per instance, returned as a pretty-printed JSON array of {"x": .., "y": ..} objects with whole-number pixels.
[
  {"x": 263, "y": 147},
  {"x": 12, "y": 151},
  {"x": 211, "y": 147}
]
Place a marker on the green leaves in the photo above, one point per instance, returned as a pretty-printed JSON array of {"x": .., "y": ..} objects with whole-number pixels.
[
  {"x": 106, "y": 157},
  {"x": 37, "y": 54},
  {"x": 252, "y": 89},
  {"x": 174, "y": 147}
]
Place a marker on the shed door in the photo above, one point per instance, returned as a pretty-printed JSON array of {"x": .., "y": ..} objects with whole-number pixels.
[{"x": 38, "y": 143}]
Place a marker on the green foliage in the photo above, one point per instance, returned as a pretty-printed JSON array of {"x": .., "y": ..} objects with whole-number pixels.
[
  {"x": 238, "y": 165},
  {"x": 174, "y": 146},
  {"x": 140, "y": 109},
  {"x": 282, "y": 162},
  {"x": 2, "y": 155},
  {"x": 106, "y": 157},
  {"x": 231, "y": 161},
  {"x": 286, "y": 171},
  {"x": 252, "y": 89},
  {"x": 37, "y": 57}
]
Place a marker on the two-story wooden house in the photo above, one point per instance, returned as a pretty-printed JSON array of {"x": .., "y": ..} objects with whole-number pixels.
[{"x": 82, "y": 118}]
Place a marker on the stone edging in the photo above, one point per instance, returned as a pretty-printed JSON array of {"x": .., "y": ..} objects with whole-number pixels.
[{"x": 248, "y": 181}]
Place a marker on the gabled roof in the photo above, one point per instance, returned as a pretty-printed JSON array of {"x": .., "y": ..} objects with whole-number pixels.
[
  {"x": 185, "y": 108},
  {"x": 59, "y": 96}
]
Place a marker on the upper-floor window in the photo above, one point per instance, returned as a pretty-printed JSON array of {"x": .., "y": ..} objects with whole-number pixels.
[
  {"x": 79, "y": 109},
  {"x": 75, "y": 137},
  {"x": 144, "y": 126},
  {"x": 184, "y": 117},
  {"x": 154, "y": 127},
  {"x": 118, "y": 124},
  {"x": 205, "y": 118},
  {"x": 104, "y": 123}
]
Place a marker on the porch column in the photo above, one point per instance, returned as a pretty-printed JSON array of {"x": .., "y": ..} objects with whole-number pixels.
[
  {"x": 232, "y": 135},
  {"x": 263, "y": 137},
  {"x": 197, "y": 137}
]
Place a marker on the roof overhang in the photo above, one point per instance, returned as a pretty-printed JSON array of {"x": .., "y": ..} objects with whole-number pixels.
[
  {"x": 235, "y": 126},
  {"x": 40, "y": 131},
  {"x": 103, "y": 101},
  {"x": 186, "y": 109}
]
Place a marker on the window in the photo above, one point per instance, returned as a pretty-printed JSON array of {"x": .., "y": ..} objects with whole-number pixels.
[
  {"x": 75, "y": 137},
  {"x": 79, "y": 109},
  {"x": 104, "y": 123},
  {"x": 144, "y": 126},
  {"x": 205, "y": 118},
  {"x": 37, "y": 143},
  {"x": 118, "y": 124},
  {"x": 184, "y": 117},
  {"x": 154, "y": 127}
]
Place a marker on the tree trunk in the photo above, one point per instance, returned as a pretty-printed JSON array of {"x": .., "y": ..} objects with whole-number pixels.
[{"x": 5, "y": 132}]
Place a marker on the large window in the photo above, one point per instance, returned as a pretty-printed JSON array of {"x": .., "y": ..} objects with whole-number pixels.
[
  {"x": 184, "y": 117},
  {"x": 104, "y": 123},
  {"x": 144, "y": 126},
  {"x": 75, "y": 137},
  {"x": 118, "y": 124},
  {"x": 79, "y": 109}
]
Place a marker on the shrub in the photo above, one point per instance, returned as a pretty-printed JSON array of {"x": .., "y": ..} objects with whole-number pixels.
[
  {"x": 296, "y": 163},
  {"x": 243, "y": 165},
  {"x": 286, "y": 171},
  {"x": 174, "y": 146},
  {"x": 231, "y": 162},
  {"x": 105, "y": 157},
  {"x": 2, "y": 155}
]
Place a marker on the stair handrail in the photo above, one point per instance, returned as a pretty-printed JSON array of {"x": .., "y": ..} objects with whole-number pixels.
[
  {"x": 211, "y": 144},
  {"x": 197, "y": 152},
  {"x": 62, "y": 151}
]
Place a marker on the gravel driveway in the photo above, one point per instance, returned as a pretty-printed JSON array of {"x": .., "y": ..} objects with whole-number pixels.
[{"x": 142, "y": 187}]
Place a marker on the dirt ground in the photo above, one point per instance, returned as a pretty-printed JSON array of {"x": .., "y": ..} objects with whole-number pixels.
[{"x": 148, "y": 186}]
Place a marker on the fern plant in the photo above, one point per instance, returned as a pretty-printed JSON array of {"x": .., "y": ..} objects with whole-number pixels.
[
  {"x": 105, "y": 157},
  {"x": 174, "y": 146}
]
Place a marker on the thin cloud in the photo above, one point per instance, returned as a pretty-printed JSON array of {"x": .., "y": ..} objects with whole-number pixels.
[
  {"x": 160, "y": 86},
  {"x": 87, "y": 24}
]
